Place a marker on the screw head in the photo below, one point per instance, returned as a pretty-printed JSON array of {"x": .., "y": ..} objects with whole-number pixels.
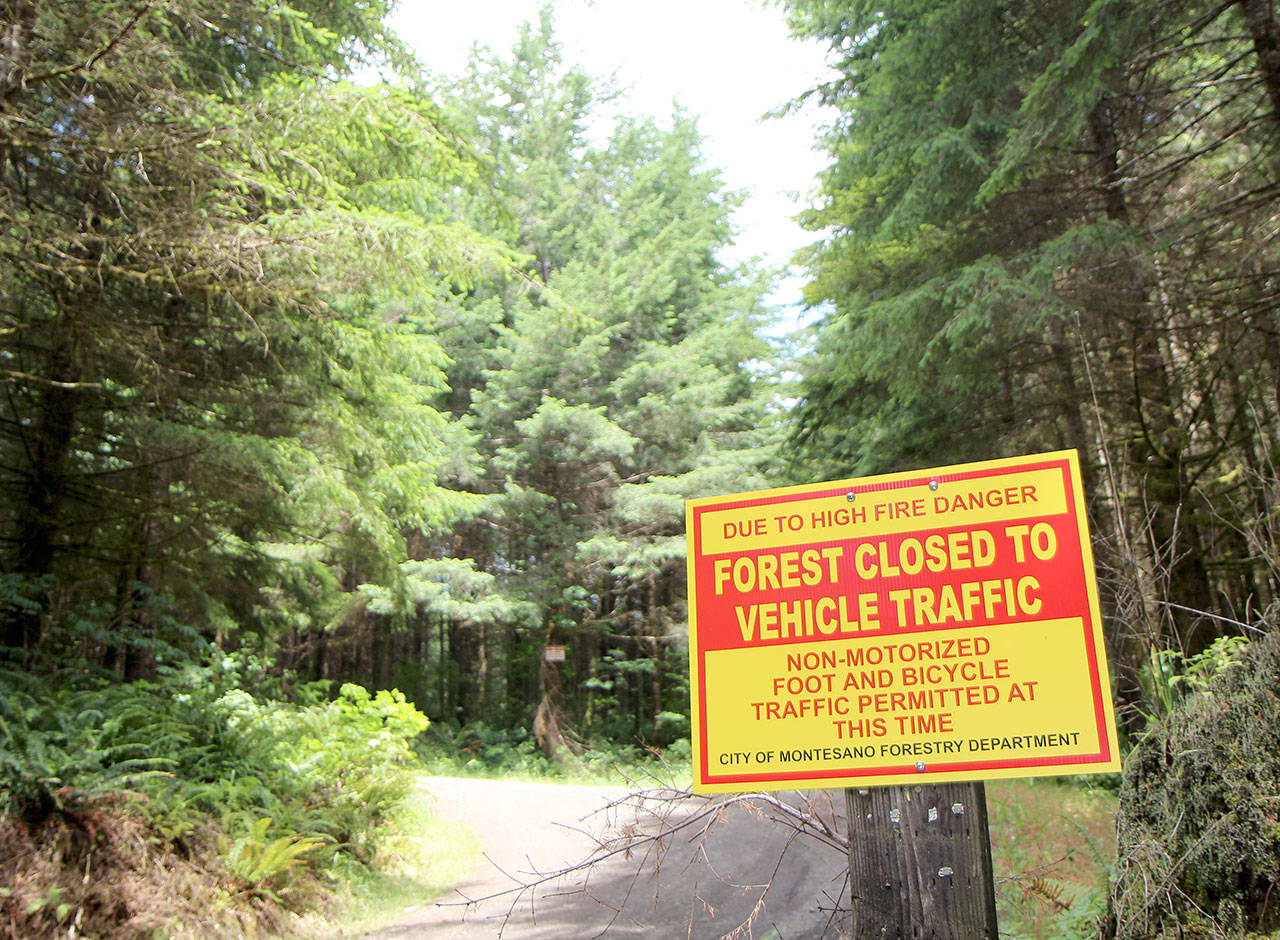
[
  {"x": 920, "y": 765},
  {"x": 933, "y": 484},
  {"x": 851, "y": 497}
]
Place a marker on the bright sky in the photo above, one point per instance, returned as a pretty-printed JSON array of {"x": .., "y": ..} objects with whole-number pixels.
[{"x": 726, "y": 61}]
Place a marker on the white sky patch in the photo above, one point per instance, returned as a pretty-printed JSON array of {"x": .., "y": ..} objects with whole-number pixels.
[{"x": 726, "y": 61}]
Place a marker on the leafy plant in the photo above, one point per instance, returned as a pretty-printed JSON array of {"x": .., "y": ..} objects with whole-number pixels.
[
  {"x": 1171, "y": 676},
  {"x": 260, "y": 863},
  {"x": 1198, "y": 829},
  {"x": 71, "y": 746}
]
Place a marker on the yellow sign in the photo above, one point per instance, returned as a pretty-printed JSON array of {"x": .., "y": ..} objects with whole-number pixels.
[{"x": 934, "y": 625}]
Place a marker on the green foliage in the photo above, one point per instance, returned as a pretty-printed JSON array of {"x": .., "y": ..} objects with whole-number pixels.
[
  {"x": 1172, "y": 676},
  {"x": 216, "y": 327},
  {"x": 62, "y": 748},
  {"x": 1199, "y": 830},
  {"x": 600, "y": 400},
  {"x": 197, "y": 745},
  {"x": 355, "y": 381},
  {"x": 422, "y": 854},
  {"x": 482, "y": 750},
  {"x": 258, "y": 862},
  {"x": 249, "y": 801},
  {"x": 1032, "y": 237}
]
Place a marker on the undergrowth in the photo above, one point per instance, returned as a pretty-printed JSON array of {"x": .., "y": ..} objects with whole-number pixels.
[
  {"x": 421, "y": 854},
  {"x": 188, "y": 806},
  {"x": 1053, "y": 846},
  {"x": 1200, "y": 820},
  {"x": 478, "y": 750}
]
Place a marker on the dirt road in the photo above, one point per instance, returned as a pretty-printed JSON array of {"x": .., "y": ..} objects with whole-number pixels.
[{"x": 717, "y": 874}]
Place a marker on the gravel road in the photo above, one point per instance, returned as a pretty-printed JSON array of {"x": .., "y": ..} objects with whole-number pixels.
[{"x": 699, "y": 883}]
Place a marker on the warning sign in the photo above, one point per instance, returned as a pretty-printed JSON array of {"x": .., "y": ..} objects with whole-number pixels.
[{"x": 934, "y": 625}]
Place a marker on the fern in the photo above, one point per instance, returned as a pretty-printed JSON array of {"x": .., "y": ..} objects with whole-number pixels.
[
  {"x": 256, "y": 862},
  {"x": 299, "y": 785},
  {"x": 1041, "y": 887}
]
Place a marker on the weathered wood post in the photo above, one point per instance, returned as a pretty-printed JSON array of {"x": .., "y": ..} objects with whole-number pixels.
[{"x": 920, "y": 863}]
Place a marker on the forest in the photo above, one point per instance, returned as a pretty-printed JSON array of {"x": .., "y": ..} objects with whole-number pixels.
[{"x": 333, "y": 405}]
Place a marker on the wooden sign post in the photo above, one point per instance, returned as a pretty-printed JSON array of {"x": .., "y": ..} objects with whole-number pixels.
[
  {"x": 909, "y": 634},
  {"x": 920, "y": 863}
]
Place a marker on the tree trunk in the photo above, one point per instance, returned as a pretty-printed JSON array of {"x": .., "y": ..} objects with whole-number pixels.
[
  {"x": 44, "y": 491},
  {"x": 548, "y": 722},
  {"x": 1260, "y": 17}
]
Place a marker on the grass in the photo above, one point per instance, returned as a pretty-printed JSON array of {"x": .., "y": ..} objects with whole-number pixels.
[
  {"x": 421, "y": 856},
  {"x": 1053, "y": 845}
]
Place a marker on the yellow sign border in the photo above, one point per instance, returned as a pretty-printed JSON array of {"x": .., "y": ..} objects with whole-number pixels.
[{"x": 881, "y": 491}]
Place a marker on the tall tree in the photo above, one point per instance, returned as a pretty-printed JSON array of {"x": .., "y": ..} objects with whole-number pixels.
[
  {"x": 205, "y": 343},
  {"x": 1050, "y": 227},
  {"x": 606, "y": 386}
]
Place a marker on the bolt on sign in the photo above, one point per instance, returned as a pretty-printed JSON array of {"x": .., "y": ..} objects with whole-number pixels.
[{"x": 937, "y": 625}]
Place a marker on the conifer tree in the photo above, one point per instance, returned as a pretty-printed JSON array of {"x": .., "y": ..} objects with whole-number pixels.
[
  {"x": 605, "y": 392},
  {"x": 1039, "y": 218},
  {"x": 206, "y": 345}
]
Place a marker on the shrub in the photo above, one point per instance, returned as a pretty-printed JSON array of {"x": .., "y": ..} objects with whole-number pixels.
[
  {"x": 262, "y": 797},
  {"x": 1199, "y": 822}
]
